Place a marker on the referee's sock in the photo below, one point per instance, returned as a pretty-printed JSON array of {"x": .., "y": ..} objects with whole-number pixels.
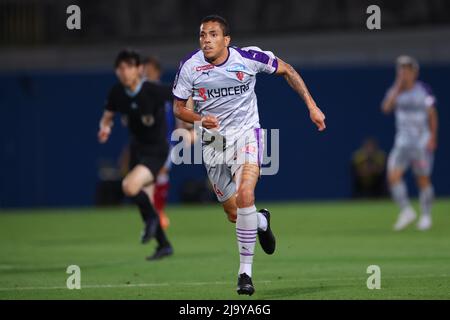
[
  {"x": 161, "y": 237},
  {"x": 148, "y": 213},
  {"x": 145, "y": 207}
]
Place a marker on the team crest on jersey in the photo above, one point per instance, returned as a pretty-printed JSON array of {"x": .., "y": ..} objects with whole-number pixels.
[{"x": 239, "y": 70}]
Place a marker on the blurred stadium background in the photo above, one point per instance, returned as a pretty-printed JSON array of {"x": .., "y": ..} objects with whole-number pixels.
[{"x": 53, "y": 83}]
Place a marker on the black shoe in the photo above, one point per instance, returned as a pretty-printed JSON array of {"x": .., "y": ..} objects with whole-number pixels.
[
  {"x": 266, "y": 238},
  {"x": 161, "y": 252},
  {"x": 149, "y": 230},
  {"x": 245, "y": 285}
]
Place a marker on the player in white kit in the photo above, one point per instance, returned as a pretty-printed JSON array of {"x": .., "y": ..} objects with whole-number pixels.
[
  {"x": 221, "y": 80},
  {"x": 415, "y": 141}
]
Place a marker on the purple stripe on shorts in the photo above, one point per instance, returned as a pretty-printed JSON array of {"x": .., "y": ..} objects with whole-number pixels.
[{"x": 258, "y": 141}]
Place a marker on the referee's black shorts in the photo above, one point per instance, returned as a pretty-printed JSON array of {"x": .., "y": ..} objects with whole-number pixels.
[{"x": 151, "y": 156}]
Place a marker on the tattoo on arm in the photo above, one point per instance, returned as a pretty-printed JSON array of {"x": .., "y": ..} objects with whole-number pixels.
[{"x": 296, "y": 82}]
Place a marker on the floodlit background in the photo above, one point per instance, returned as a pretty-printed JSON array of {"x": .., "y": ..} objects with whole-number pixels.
[{"x": 54, "y": 81}]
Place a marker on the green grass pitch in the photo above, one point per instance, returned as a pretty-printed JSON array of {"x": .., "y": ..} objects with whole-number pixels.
[{"x": 323, "y": 252}]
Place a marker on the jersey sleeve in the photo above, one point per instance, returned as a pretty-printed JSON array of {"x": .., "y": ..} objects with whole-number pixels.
[
  {"x": 260, "y": 61},
  {"x": 430, "y": 99},
  {"x": 111, "y": 101},
  {"x": 182, "y": 86}
]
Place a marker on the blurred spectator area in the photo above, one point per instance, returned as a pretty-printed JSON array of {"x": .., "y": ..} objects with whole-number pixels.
[
  {"x": 53, "y": 84},
  {"x": 42, "y": 22},
  {"x": 33, "y": 34},
  {"x": 368, "y": 167}
]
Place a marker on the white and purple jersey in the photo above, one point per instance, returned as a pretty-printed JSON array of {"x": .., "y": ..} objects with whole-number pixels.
[
  {"x": 411, "y": 114},
  {"x": 226, "y": 91}
]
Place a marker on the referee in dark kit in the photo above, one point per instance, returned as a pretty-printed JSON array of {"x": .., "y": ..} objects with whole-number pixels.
[{"x": 141, "y": 105}]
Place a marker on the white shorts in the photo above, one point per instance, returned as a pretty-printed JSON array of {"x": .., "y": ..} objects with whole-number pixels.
[
  {"x": 222, "y": 160},
  {"x": 419, "y": 158}
]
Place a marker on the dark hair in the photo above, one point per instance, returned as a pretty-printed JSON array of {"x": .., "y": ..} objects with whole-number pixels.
[
  {"x": 129, "y": 56},
  {"x": 153, "y": 61},
  {"x": 216, "y": 18}
]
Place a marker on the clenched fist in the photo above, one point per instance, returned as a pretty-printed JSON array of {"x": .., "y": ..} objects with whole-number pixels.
[{"x": 210, "y": 122}]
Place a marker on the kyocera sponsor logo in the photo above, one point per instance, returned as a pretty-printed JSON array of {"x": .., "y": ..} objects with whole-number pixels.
[{"x": 206, "y": 94}]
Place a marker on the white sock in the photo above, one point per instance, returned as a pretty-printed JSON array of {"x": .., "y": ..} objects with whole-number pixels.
[
  {"x": 399, "y": 193},
  {"x": 246, "y": 233},
  {"x": 426, "y": 196},
  {"x": 262, "y": 221}
]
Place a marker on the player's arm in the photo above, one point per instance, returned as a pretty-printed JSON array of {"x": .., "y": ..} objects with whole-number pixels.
[
  {"x": 183, "y": 112},
  {"x": 182, "y": 105},
  {"x": 106, "y": 123},
  {"x": 388, "y": 104},
  {"x": 433, "y": 123},
  {"x": 184, "y": 124},
  {"x": 296, "y": 82},
  {"x": 189, "y": 135}
]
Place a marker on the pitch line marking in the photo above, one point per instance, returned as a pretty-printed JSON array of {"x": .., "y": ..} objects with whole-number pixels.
[{"x": 192, "y": 284}]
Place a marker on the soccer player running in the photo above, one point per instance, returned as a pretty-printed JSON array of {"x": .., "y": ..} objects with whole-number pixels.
[
  {"x": 415, "y": 141},
  {"x": 221, "y": 79},
  {"x": 141, "y": 104}
]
